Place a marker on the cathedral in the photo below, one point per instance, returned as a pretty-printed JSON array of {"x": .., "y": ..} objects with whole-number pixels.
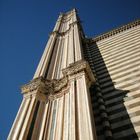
[{"x": 83, "y": 88}]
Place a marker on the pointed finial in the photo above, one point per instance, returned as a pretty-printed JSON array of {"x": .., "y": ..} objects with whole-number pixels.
[
  {"x": 60, "y": 15},
  {"x": 74, "y": 10}
]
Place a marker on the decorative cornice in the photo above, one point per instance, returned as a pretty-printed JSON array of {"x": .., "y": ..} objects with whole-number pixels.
[
  {"x": 43, "y": 85},
  {"x": 55, "y": 87},
  {"x": 37, "y": 84},
  {"x": 116, "y": 31},
  {"x": 33, "y": 85},
  {"x": 77, "y": 67},
  {"x": 60, "y": 84}
]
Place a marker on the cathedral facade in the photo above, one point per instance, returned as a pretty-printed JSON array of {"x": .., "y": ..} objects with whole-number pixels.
[{"x": 83, "y": 88}]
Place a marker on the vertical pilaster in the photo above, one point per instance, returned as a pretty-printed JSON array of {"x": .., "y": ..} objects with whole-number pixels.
[
  {"x": 66, "y": 118},
  {"x": 26, "y": 125},
  {"x": 38, "y": 121},
  {"x": 59, "y": 124},
  {"x": 44, "y": 120},
  {"x": 85, "y": 126},
  {"x": 43, "y": 64},
  {"x": 72, "y": 115},
  {"x": 18, "y": 121}
]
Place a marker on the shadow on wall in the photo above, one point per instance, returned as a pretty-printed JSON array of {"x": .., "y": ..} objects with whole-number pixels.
[{"x": 111, "y": 117}]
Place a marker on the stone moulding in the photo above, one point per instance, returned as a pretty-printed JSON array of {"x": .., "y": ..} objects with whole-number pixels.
[
  {"x": 33, "y": 85},
  {"x": 55, "y": 87},
  {"x": 77, "y": 67},
  {"x": 44, "y": 85},
  {"x": 67, "y": 31}
]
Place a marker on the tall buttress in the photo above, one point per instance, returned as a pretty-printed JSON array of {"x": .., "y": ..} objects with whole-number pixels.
[{"x": 56, "y": 103}]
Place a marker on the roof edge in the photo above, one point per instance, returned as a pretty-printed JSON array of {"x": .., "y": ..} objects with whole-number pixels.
[{"x": 116, "y": 31}]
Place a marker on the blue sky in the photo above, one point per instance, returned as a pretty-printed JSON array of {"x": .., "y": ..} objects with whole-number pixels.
[{"x": 24, "y": 29}]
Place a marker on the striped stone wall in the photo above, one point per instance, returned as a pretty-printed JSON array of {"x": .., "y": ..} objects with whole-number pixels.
[{"x": 115, "y": 61}]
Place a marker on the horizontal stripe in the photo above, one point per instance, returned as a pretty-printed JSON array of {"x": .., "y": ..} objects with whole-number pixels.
[{"x": 132, "y": 30}]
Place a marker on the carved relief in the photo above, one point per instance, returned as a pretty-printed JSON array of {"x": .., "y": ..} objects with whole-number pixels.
[
  {"x": 56, "y": 88},
  {"x": 77, "y": 67}
]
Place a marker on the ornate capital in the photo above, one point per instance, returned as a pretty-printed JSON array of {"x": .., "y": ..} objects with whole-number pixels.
[
  {"x": 77, "y": 67},
  {"x": 44, "y": 85},
  {"x": 33, "y": 85},
  {"x": 57, "y": 87}
]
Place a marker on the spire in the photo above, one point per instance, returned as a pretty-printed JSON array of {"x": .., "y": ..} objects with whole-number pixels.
[
  {"x": 56, "y": 102},
  {"x": 64, "y": 44}
]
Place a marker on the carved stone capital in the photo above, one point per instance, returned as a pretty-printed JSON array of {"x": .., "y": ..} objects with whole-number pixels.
[
  {"x": 56, "y": 88},
  {"x": 44, "y": 85},
  {"x": 78, "y": 67},
  {"x": 59, "y": 84},
  {"x": 31, "y": 86}
]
